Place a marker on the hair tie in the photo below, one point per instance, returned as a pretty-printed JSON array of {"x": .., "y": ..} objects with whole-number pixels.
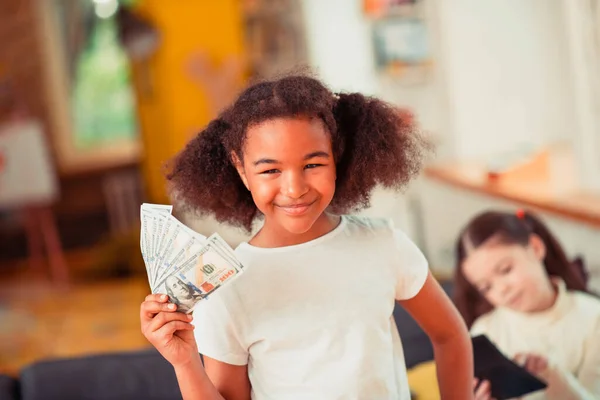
[{"x": 520, "y": 213}]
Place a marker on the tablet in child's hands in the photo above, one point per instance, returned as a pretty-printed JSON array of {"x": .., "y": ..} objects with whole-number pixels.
[{"x": 507, "y": 379}]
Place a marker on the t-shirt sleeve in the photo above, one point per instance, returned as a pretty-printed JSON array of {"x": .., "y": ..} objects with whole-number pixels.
[
  {"x": 410, "y": 264},
  {"x": 216, "y": 333}
]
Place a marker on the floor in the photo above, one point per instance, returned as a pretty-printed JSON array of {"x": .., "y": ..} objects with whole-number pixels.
[{"x": 39, "y": 320}]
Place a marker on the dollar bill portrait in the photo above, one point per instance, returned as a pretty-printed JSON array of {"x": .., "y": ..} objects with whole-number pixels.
[{"x": 182, "y": 294}]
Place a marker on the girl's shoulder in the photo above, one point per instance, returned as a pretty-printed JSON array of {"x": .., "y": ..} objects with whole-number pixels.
[
  {"x": 368, "y": 224},
  {"x": 375, "y": 226},
  {"x": 371, "y": 225},
  {"x": 585, "y": 313},
  {"x": 383, "y": 239},
  {"x": 380, "y": 230},
  {"x": 586, "y": 304}
]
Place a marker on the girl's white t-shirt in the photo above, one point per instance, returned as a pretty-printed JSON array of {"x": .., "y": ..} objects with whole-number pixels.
[{"x": 314, "y": 320}]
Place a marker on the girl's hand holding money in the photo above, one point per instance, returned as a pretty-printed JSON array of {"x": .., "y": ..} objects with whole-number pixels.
[
  {"x": 172, "y": 334},
  {"x": 168, "y": 330}
]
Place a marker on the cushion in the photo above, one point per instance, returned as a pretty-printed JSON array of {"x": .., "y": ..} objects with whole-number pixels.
[
  {"x": 422, "y": 380},
  {"x": 9, "y": 388},
  {"x": 131, "y": 375}
]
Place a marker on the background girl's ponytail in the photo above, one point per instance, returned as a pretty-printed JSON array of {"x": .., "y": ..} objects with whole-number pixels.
[{"x": 555, "y": 261}]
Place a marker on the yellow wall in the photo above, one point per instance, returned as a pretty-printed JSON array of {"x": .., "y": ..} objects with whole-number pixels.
[{"x": 174, "y": 107}]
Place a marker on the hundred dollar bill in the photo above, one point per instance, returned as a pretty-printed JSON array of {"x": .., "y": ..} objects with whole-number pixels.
[
  {"x": 181, "y": 262},
  {"x": 150, "y": 215},
  {"x": 198, "y": 274},
  {"x": 181, "y": 243}
]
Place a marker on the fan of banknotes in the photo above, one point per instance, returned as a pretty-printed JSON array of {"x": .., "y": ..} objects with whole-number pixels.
[{"x": 181, "y": 262}]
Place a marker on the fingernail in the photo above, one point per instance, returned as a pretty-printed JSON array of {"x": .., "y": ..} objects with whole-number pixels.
[
  {"x": 189, "y": 316},
  {"x": 172, "y": 306},
  {"x": 163, "y": 297}
]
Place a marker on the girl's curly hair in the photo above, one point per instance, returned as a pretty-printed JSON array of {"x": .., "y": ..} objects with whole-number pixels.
[{"x": 372, "y": 144}]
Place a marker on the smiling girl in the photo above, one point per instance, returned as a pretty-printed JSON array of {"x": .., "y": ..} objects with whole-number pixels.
[{"x": 311, "y": 318}]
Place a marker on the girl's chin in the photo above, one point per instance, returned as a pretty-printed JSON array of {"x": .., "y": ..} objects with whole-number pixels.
[{"x": 298, "y": 226}]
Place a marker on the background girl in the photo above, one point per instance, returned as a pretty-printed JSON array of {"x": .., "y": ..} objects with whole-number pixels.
[{"x": 515, "y": 284}]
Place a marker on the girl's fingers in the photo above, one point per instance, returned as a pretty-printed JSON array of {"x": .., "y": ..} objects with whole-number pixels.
[
  {"x": 150, "y": 308},
  {"x": 542, "y": 363},
  {"x": 534, "y": 363},
  {"x": 168, "y": 329},
  {"x": 531, "y": 364},
  {"x": 153, "y": 305},
  {"x": 538, "y": 364},
  {"x": 520, "y": 359},
  {"x": 483, "y": 392},
  {"x": 163, "y": 318},
  {"x": 159, "y": 298}
]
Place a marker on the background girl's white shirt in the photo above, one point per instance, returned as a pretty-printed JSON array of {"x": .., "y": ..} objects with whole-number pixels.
[
  {"x": 315, "y": 320},
  {"x": 568, "y": 334}
]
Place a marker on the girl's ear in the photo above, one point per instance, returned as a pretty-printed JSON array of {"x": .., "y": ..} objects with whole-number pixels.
[
  {"x": 537, "y": 245},
  {"x": 237, "y": 163}
]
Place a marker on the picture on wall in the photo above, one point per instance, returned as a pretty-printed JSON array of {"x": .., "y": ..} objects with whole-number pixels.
[
  {"x": 380, "y": 8},
  {"x": 275, "y": 37},
  {"x": 402, "y": 47}
]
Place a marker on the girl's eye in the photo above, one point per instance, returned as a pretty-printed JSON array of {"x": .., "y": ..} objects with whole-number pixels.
[
  {"x": 505, "y": 269},
  {"x": 270, "y": 171},
  {"x": 311, "y": 166}
]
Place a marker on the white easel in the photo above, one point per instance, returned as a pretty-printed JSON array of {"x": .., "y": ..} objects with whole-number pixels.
[{"x": 28, "y": 183}]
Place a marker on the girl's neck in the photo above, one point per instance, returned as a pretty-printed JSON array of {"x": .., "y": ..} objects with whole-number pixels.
[
  {"x": 273, "y": 235},
  {"x": 548, "y": 299}
]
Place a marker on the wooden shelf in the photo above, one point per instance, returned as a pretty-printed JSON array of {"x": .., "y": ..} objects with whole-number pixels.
[{"x": 553, "y": 196}]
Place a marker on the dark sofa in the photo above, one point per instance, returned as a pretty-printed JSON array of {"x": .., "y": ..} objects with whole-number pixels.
[
  {"x": 127, "y": 375},
  {"x": 144, "y": 374}
]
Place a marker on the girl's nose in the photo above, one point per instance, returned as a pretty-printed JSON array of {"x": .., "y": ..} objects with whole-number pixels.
[
  {"x": 294, "y": 185},
  {"x": 503, "y": 289}
]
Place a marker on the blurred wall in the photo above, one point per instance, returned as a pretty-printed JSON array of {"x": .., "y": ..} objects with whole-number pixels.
[
  {"x": 172, "y": 108},
  {"x": 339, "y": 45},
  {"x": 507, "y": 73},
  {"x": 500, "y": 77}
]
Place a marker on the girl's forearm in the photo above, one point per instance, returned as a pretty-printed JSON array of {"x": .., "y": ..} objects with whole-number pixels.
[
  {"x": 194, "y": 384},
  {"x": 454, "y": 365}
]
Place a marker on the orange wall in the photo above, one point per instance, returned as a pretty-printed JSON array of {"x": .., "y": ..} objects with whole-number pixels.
[{"x": 174, "y": 108}]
